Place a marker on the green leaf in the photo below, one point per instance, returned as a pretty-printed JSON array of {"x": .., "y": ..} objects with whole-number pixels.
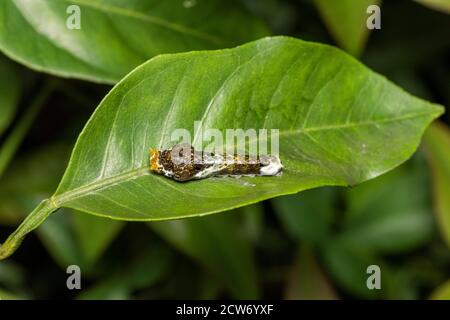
[
  {"x": 383, "y": 216},
  {"x": 57, "y": 236},
  {"x": 13, "y": 141},
  {"x": 334, "y": 116},
  {"x": 41, "y": 169},
  {"x": 5, "y": 295},
  {"x": 437, "y": 143},
  {"x": 116, "y": 36},
  {"x": 11, "y": 275},
  {"x": 440, "y": 5},
  {"x": 70, "y": 237},
  {"x": 73, "y": 237},
  {"x": 110, "y": 289},
  {"x": 307, "y": 281},
  {"x": 348, "y": 267},
  {"x": 253, "y": 221},
  {"x": 346, "y": 20},
  {"x": 442, "y": 293},
  {"x": 12, "y": 281},
  {"x": 307, "y": 216},
  {"x": 146, "y": 270},
  {"x": 9, "y": 93},
  {"x": 347, "y": 264},
  {"x": 94, "y": 234},
  {"x": 219, "y": 243}
]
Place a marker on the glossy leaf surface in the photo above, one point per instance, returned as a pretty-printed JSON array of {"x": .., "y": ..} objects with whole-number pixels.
[{"x": 339, "y": 124}]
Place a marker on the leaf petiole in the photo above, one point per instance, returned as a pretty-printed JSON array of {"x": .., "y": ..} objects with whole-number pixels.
[{"x": 31, "y": 222}]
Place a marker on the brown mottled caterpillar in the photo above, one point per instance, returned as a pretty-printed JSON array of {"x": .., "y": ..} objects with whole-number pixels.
[{"x": 182, "y": 163}]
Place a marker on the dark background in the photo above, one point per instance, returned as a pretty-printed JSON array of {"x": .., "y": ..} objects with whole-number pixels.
[{"x": 412, "y": 49}]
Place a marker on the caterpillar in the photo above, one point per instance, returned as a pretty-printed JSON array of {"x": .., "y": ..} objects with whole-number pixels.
[{"x": 183, "y": 163}]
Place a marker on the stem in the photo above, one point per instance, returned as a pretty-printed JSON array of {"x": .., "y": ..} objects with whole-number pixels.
[
  {"x": 14, "y": 140},
  {"x": 31, "y": 222}
]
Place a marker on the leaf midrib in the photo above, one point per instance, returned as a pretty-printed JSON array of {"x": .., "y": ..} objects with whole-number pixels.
[{"x": 67, "y": 196}]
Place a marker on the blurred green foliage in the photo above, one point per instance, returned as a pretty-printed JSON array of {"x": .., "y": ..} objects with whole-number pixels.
[{"x": 314, "y": 245}]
